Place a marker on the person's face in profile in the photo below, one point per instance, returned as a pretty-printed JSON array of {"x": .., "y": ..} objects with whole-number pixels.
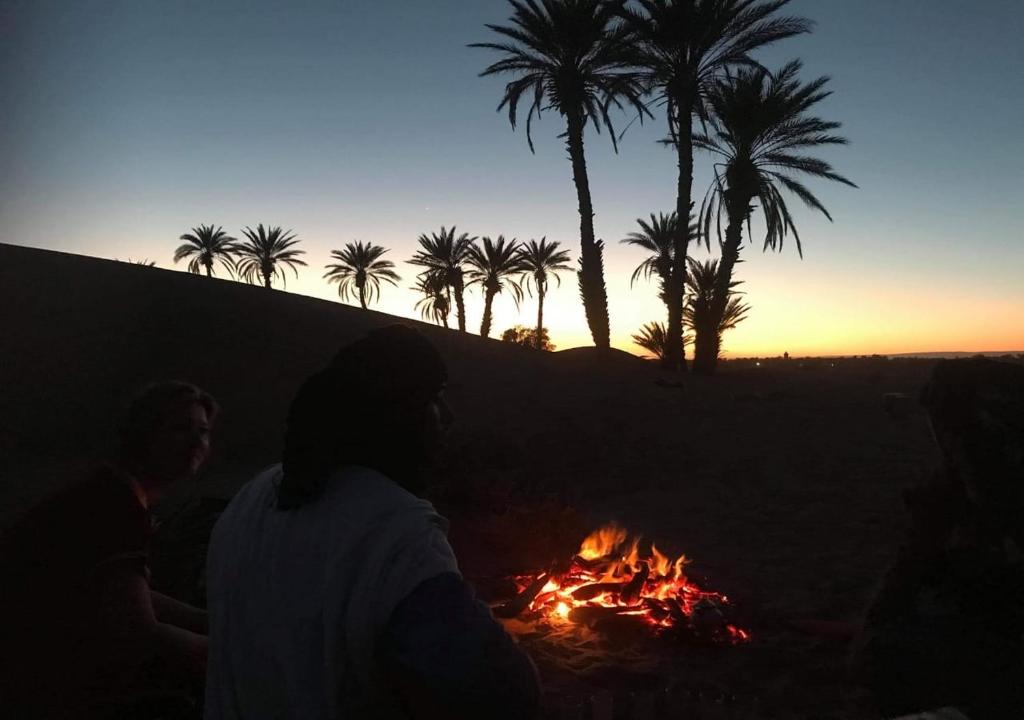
[
  {"x": 181, "y": 444},
  {"x": 439, "y": 418}
]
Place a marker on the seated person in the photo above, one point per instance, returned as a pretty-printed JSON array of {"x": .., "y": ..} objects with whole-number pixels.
[
  {"x": 83, "y": 635},
  {"x": 947, "y": 627},
  {"x": 333, "y": 592}
]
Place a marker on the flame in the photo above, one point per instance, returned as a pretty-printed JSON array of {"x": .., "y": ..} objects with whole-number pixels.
[{"x": 616, "y": 574}]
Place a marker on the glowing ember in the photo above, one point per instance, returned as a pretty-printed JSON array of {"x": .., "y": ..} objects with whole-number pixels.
[{"x": 616, "y": 575}]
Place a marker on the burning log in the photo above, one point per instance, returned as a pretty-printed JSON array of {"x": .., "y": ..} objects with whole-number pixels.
[
  {"x": 590, "y": 615},
  {"x": 616, "y": 582},
  {"x": 589, "y": 592},
  {"x": 520, "y": 602},
  {"x": 631, "y": 593}
]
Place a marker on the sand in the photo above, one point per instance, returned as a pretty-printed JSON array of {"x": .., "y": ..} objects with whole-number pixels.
[{"x": 781, "y": 483}]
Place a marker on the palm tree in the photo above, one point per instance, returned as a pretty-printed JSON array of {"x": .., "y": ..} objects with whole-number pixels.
[
  {"x": 264, "y": 251},
  {"x": 682, "y": 48},
  {"x": 760, "y": 133},
  {"x": 651, "y": 337},
  {"x": 443, "y": 255},
  {"x": 493, "y": 267},
  {"x": 436, "y": 302},
  {"x": 700, "y": 313},
  {"x": 541, "y": 261},
  {"x": 570, "y": 56},
  {"x": 359, "y": 271},
  {"x": 204, "y": 246}
]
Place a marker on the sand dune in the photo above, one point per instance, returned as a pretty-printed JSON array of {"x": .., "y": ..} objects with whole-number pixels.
[{"x": 782, "y": 483}]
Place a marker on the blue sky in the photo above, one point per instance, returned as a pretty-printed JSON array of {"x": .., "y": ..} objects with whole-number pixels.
[{"x": 126, "y": 123}]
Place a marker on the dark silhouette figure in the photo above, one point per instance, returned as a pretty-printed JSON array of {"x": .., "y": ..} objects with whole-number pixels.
[
  {"x": 494, "y": 264},
  {"x": 333, "y": 591},
  {"x": 682, "y": 48},
  {"x": 542, "y": 261},
  {"x": 359, "y": 270},
  {"x": 83, "y": 636},
  {"x": 263, "y": 252},
  {"x": 204, "y": 247},
  {"x": 947, "y": 626},
  {"x": 570, "y": 56},
  {"x": 761, "y": 134},
  {"x": 444, "y": 255}
]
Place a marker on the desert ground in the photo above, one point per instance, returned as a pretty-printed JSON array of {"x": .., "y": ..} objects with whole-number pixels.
[{"x": 782, "y": 483}]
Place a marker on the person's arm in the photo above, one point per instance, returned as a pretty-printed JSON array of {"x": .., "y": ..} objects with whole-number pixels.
[
  {"x": 129, "y": 620},
  {"x": 182, "y": 615},
  {"x": 446, "y": 656}
]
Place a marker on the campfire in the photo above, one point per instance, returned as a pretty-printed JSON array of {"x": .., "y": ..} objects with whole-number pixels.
[{"x": 618, "y": 578}]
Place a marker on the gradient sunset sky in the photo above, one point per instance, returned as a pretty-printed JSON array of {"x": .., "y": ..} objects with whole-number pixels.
[{"x": 126, "y": 122}]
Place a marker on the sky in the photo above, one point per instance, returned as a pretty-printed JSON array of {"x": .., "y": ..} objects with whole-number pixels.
[{"x": 127, "y": 122}]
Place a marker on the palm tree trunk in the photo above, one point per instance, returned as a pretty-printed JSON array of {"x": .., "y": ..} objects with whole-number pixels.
[
  {"x": 362, "y": 295},
  {"x": 675, "y": 290},
  {"x": 460, "y": 303},
  {"x": 209, "y": 269},
  {"x": 266, "y": 279},
  {"x": 485, "y": 324},
  {"x": 711, "y": 342},
  {"x": 540, "y": 317},
  {"x": 591, "y": 273}
]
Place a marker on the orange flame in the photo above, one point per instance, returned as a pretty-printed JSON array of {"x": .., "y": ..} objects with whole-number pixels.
[{"x": 615, "y": 574}]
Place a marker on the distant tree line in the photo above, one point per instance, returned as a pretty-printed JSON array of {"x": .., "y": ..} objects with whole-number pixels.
[{"x": 586, "y": 59}]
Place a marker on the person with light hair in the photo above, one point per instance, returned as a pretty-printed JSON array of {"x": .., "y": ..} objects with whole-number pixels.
[{"x": 83, "y": 634}]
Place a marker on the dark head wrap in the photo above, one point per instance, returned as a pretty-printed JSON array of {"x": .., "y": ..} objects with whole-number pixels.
[{"x": 367, "y": 407}]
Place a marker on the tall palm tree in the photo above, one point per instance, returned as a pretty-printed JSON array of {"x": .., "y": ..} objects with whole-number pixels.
[
  {"x": 264, "y": 251},
  {"x": 494, "y": 266},
  {"x": 682, "y": 48},
  {"x": 436, "y": 302},
  {"x": 205, "y": 246},
  {"x": 570, "y": 56},
  {"x": 761, "y": 131},
  {"x": 540, "y": 262},
  {"x": 360, "y": 270},
  {"x": 700, "y": 312},
  {"x": 444, "y": 254}
]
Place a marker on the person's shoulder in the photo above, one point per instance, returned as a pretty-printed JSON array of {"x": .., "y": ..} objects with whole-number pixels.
[{"x": 375, "y": 492}]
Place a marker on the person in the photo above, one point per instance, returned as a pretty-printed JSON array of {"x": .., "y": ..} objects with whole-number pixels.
[
  {"x": 947, "y": 626},
  {"x": 83, "y": 635},
  {"x": 333, "y": 592}
]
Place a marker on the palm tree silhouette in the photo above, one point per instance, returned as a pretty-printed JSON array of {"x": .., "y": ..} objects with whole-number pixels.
[
  {"x": 761, "y": 132},
  {"x": 652, "y": 338},
  {"x": 682, "y": 47},
  {"x": 443, "y": 255},
  {"x": 658, "y": 238},
  {"x": 700, "y": 312},
  {"x": 359, "y": 271},
  {"x": 493, "y": 266},
  {"x": 436, "y": 302},
  {"x": 570, "y": 56},
  {"x": 204, "y": 246},
  {"x": 541, "y": 261},
  {"x": 264, "y": 251}
]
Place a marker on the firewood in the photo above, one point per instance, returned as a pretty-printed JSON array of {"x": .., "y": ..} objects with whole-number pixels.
[
  {"x": 591, "y": 614},
  {"x": 589, "y": 592},
  {"x": 631, "y": 593},
  {"x": 520, "y": 602}
]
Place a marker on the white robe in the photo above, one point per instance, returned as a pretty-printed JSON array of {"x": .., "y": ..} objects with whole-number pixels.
[{"x": 297, "y": 598}]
